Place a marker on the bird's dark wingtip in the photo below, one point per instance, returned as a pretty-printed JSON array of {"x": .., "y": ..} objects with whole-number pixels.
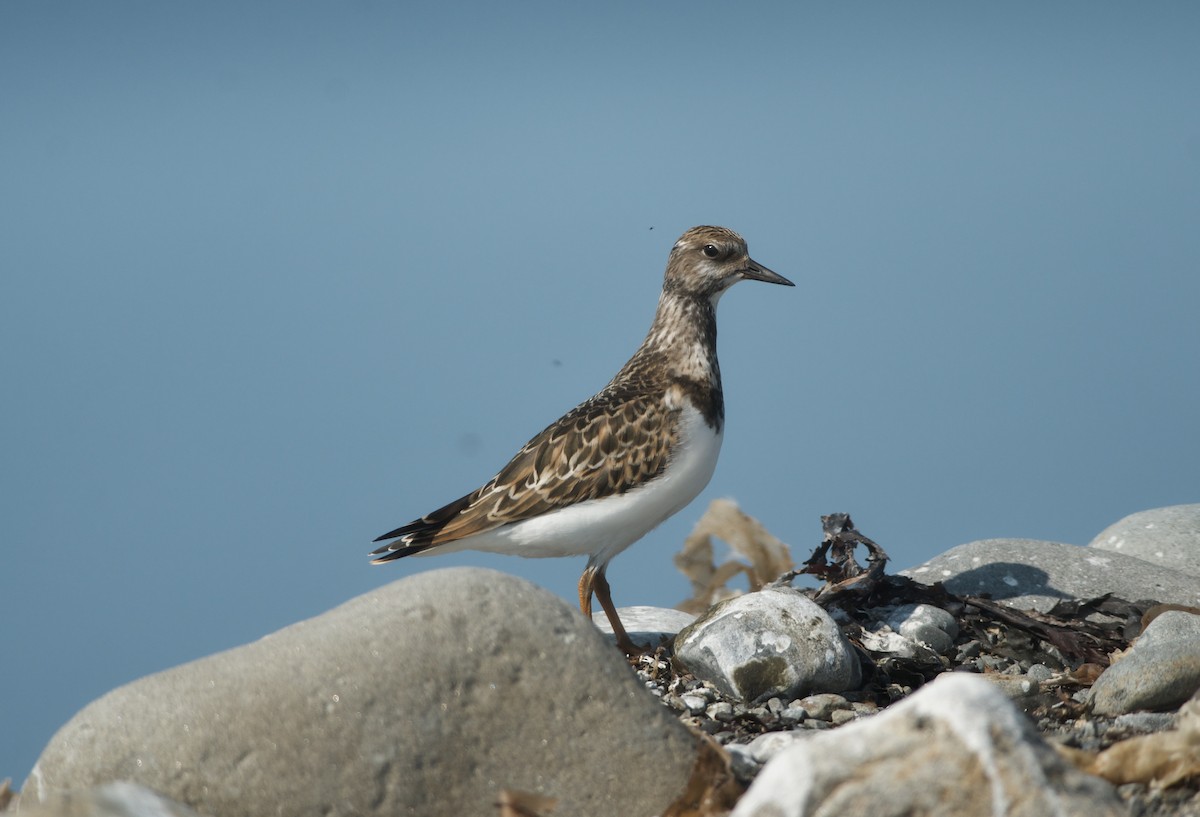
[
  {"x": 397, "y": 533},
  {"x": 390, "y": 553}
]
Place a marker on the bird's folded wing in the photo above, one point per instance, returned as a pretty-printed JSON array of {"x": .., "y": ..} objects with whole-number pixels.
[{"x": 607, "y": 445}]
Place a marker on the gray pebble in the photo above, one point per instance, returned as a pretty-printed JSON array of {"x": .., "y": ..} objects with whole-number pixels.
[
  {"x": 720, "y": 711},
  {"x": 1161, "y": 671},
  {"x": 822, "y": 706},
  {"x": 793, "y": 714},
  {"x": 841, "y": 716},
  {"x": 1039, "y": 672},
  {"x": 925, "y": 624}
]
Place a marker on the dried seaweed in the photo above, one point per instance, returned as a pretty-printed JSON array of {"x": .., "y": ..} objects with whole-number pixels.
[
  {"x": 764, "y": 556},
  {"x": 1160, "y": 760}
]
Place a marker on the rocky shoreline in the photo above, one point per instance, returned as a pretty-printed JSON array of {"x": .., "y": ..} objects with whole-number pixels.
[{"x": 1001, "y": 677}]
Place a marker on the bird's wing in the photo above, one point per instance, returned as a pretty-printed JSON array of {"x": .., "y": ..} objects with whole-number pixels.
[{"x": 605, "y": 446}]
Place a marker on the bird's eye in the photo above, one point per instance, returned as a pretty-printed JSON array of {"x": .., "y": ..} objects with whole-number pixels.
[{"x": 711, "y": 251}]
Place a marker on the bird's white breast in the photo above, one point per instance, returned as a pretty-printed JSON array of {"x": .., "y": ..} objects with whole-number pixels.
[{"x": 602, "y": 528}]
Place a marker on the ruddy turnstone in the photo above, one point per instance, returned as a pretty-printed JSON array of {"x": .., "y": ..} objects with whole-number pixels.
[{"x": 617, "y": 465}]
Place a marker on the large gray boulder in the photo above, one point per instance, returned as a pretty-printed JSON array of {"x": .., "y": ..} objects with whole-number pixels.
[
  {"x": 956, "y": 748},
  {"x": 1165, "y": 536},
  {"x": 427, "y": 696},
  {"x": 1033, "y": 575}
]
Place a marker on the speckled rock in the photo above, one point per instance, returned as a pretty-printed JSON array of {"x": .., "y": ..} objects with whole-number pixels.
[
  {"x": 1034, "y": 575},
  {"x": 956, "y": 747},
  {"x": 773, "y": 643},
  {"x": 1161, "y": 670},
  {"x": 426, "y": 696},
  {"x": 1165, "y": 536}
]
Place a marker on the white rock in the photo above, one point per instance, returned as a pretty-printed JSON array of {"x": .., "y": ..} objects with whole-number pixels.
[
  {"x": 775, "y": 642},
  {"x": 645, "y": 625},
  {"x": 926, "y": 624},
  {"x": 956, "y": 747}
]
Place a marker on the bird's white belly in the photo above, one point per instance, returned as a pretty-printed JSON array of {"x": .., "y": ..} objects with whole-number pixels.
[{"x": 602, "y": 528}]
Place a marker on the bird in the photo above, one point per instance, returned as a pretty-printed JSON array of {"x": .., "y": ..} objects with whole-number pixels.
[{"x": 613, "y": 468}]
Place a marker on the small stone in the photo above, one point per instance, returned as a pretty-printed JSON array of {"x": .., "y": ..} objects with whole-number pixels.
[
  {"x": 693, "y": 703},
  {"x": 766, "y": 746},
  {"x": 720, "y": 711},
  {"x": 1024, "y": 692},
  {"x": 793, "y": 715},
  {"x": 926, "y": 624},
  {"x": 994, "y": 663},
  {"x": 1039, "y": 672},
  {"x": 823, "y": 706},
  {"x": 841, "y": 716},
  {"x": 969, "y": 650}
]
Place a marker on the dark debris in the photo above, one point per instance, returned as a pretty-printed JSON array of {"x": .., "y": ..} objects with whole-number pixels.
[{"x": 1065, "y": 649}]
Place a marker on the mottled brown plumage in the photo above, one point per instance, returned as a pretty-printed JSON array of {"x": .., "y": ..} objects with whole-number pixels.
[{"x": 662, "y": 414}]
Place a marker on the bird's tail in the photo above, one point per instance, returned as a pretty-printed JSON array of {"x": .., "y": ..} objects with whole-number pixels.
[{"x": 419, "y": 535}]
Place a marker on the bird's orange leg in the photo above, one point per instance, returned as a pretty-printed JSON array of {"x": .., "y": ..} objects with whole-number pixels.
[
  {"x": 585, "y": 591},
  {"x": 604, "y": 596}
]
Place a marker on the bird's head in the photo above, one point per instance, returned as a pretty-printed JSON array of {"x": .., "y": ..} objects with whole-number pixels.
[{"x": 709, "y": 260}]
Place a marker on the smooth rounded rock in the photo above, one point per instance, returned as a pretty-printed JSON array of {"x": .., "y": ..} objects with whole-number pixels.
[
  {"x": 1034, "y": 575},
  {"x": 1165, "y": 536},
  {"x": 926, "y": 624},
  {"x": 775, "y": 642},
  {"x": 823, "y": 705},
  {"x": 1161, "y": 671},
  {"x": 427, "y": 696},
  {"x": 955, "y": 747}
]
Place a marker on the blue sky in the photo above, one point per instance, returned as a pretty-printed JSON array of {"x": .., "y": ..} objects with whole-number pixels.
[{"x": 280, "y": 277}]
